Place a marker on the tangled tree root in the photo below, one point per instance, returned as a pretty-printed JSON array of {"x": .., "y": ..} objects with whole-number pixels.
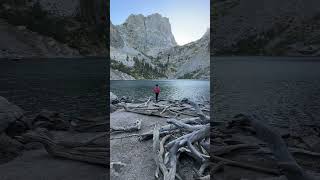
[
  {"x": 286, "y": 162},
  {"x": 194, "y": 142},
  {"x": 86, "y": 152},
  {"x": 266, "y": 142}
]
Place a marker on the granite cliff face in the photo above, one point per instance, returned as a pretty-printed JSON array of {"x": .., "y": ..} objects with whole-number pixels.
[
  {"x": 116, "y": 40},
  {"x": 141, "y": 47},
  {"x": 249, "y": 27},
  {"x": 191, "y": 61},
  {"x": 150, "y": 34}
]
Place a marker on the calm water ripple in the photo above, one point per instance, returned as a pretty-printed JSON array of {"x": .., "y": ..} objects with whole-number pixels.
[{"x": 170, "y": 89}]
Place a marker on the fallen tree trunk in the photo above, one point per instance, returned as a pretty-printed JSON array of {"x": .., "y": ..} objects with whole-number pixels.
[
  {"x": 194, "y": 132},
  {"x": 135, "y": 127},
  {"x": 287, "y": 163},
  {"x": 87, "y": 154}
]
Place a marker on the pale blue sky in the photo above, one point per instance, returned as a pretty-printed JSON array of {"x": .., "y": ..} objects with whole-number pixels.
[{"x": 189, "y": 18}]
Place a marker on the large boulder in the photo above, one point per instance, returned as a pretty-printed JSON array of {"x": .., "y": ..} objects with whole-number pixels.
[{"x": 9, "y": 113}]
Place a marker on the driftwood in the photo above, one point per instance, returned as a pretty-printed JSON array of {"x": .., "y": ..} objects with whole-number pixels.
[
  {"x": 170, "y": 127},
  {"x": 189, "y": 135},
  {"x": 193, "y": 132},
  {"x": 135, "y": 127},
  {"x": 287, "y": 163},
  {"x": 249, "y": 137},
  {"x": 84, "y": 153},
  {"x": 143, "y": 112}
]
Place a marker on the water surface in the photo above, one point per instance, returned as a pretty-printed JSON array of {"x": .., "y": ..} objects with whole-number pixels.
[
  {"x": 170, "y": 89},
  {"x": 72, "y": 86},
  {"x": 279, "y": 89}
]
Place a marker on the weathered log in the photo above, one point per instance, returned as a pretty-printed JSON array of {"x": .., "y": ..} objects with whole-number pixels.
[
  {"x": 170, "y": 128},
  {"x": 202, "y": 116},
  {"x": 187, "y": 139},
  {"x": 277, "y": 145},
  {"x": 135, "y": 127},
  {"x": 156, "y": 147},
  {"x": 89, "y": 155},
  {"x": 164, "y": 110}
]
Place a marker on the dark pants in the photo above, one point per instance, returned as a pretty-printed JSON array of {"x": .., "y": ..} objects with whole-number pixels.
[{"x": 157, "y": 94}]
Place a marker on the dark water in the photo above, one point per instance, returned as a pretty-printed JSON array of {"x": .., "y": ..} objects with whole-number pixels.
[
  {"x": 279, "y": 89},
  {"x": 73, "y": 86},
  {"x": 170, "y": 89}
]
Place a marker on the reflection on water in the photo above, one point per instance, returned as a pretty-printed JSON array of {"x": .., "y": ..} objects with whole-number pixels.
[{"x": 170, "y": 89}]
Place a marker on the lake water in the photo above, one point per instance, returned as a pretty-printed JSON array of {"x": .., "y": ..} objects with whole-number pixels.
[
  {"x": 197, "y": 90},
  {"x": 72, "y": 86},
  {"x": 278, "y": 89}
]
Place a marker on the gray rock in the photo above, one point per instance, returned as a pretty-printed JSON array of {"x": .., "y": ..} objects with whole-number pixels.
[
  {"x": 115, "y": 38},
  {"x": 118, "y": 75},
  {"x": 149, "y": 34},
  {"x": 9, "y": 113}
]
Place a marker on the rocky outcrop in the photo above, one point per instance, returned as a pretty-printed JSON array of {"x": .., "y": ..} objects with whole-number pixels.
[
  {"x": 149, "y": 34},
  {"x": 79, "y": 24},
  {"x": 21, "y": 42},
  {"x": 116, "y": 40},
  {"x": 250, "y": 27},
  {"x": 118, "y": 75}
]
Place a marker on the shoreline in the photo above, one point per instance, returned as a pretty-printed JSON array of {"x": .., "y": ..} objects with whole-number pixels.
[{"x": 133, "y": 146}]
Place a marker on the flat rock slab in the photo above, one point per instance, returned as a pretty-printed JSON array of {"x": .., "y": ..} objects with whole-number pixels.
[
  {"x": 136, "y": 155},
  {"x": 38, "y": 164},
  {"x": 122, "y": 118}
]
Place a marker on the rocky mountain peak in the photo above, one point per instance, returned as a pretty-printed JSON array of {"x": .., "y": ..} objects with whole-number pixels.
[
  {"x": 149, "y": 39},
  {"x": 149, "y": 34}
]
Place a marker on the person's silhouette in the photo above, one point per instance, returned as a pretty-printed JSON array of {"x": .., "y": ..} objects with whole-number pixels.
[{"x": 156, "y": 90}]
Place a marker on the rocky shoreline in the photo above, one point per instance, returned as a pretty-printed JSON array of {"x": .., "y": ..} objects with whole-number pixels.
[
  {"x": 243, "y": 147},
  {"x": 48, "y": 139},
  {"x": 141, "y": 134}
]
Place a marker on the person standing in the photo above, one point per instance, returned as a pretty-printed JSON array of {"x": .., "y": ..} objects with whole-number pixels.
[{"x": 156, "y": 90}]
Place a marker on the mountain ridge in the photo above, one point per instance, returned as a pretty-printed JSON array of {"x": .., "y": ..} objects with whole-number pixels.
[
  {"x": 266, "y": 28},
  {"x": 148, "y": 40}
]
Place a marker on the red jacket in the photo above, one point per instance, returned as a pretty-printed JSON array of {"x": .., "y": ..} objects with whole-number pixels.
[{"x": 156, "y": 89}]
